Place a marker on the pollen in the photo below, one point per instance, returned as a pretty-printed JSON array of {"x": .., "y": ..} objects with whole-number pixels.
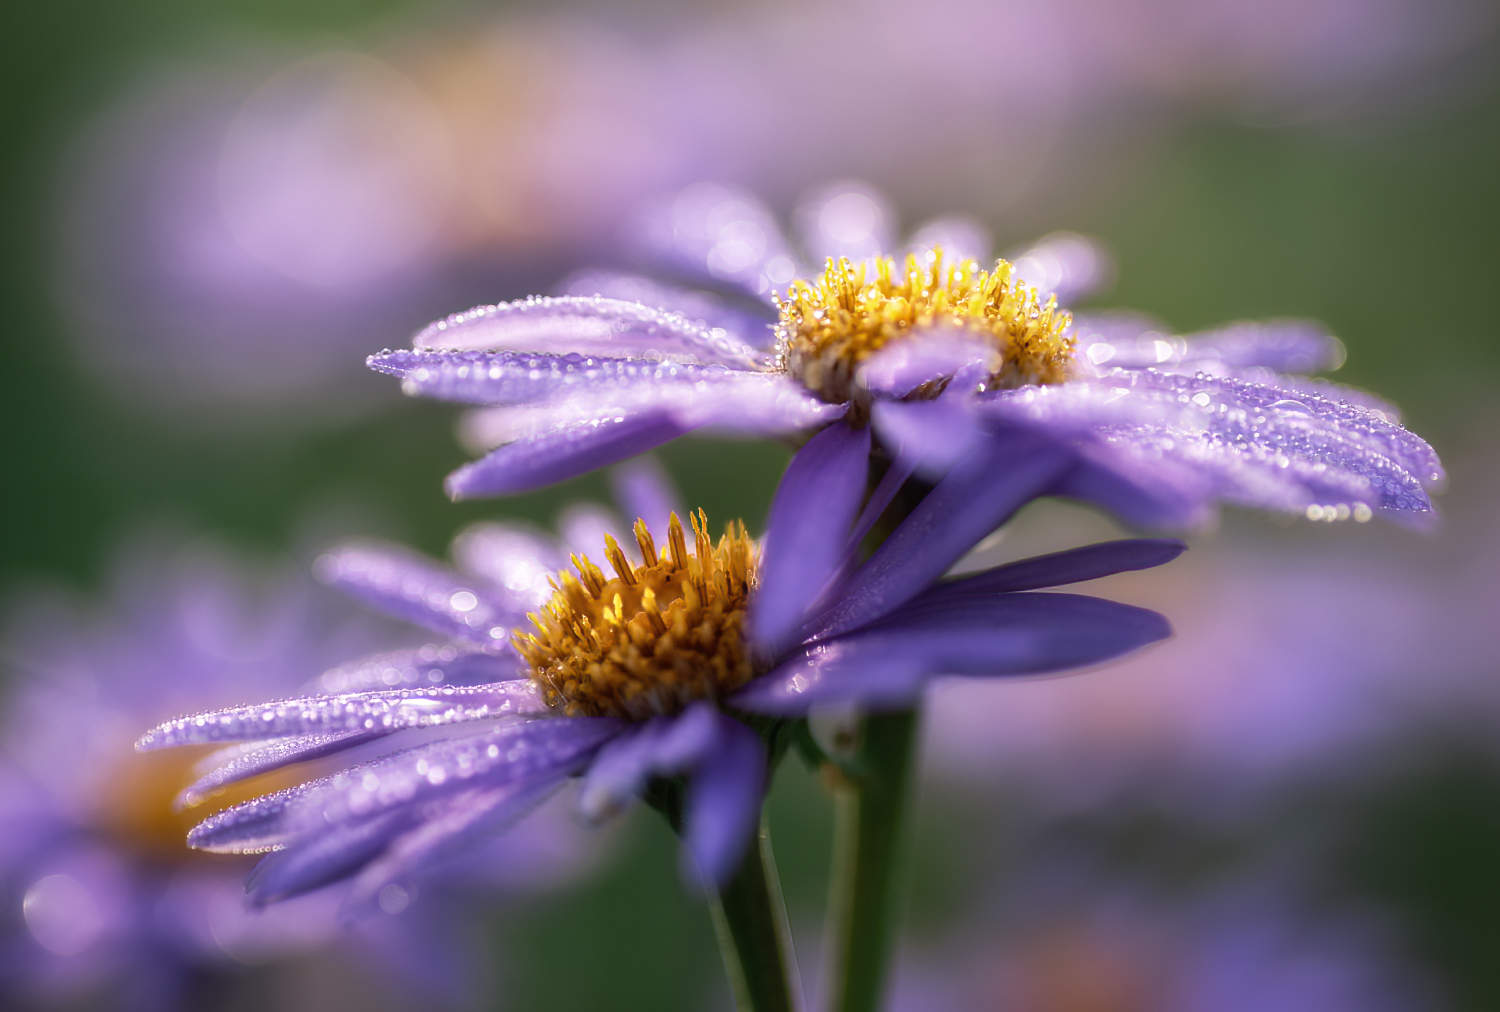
[
  {"x": 832, "y": 324},
  {"x": 652, "y": 638}
]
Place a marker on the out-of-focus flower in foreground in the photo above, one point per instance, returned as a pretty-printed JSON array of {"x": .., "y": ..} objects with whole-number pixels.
[
  {"x": 943, "y": 359},
  {"x": 628, "y": 678},
  {"x": 103, "y": 897}
]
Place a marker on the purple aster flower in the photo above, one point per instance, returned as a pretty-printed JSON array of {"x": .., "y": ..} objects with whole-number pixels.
[
  {"x": 628, "y": 679},
  {"x": 942, "y": 359}
]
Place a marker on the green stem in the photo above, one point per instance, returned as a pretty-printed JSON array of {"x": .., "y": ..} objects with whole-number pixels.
[
  {"x": 754, "y": 937},
  {"x": 869, "y": 826}
]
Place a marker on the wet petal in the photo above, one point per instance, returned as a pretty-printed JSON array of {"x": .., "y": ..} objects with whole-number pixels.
[
  {"x": 723, "y": 803},
  {"x": 416, "y": 589},
  {"x": 588, "y": 326},
  {"x": 977, "y": 634},
  {"x": 392, "y": 710},
  {"x": 750, "y": 321},
  {"x": 402, "y": 782},
  {"x": 256, "y": 826},
  {"x": 1293, "y": 346},
  {"x": 565, "y": 451},
  {"x": 526, "y": 377},
  {"x": 325, "y": 857},
  {"x": 568, "y": 438},
  {"x": 433, "y": 664},
  {"x": 983, "y": 490},
  {"x": 1247, "y": 443},
  {"x": 807, "y": 532},
  {"x": 240, "y": 762}
]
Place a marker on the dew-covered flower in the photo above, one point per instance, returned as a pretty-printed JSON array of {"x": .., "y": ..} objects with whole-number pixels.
[
  {"x": 676, "y": 665},
  {"x": 942, "y": 357}
]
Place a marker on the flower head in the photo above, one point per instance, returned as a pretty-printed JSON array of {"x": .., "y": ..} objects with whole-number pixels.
[
  {"x": 658, "y": 671},
  {"x": 830, "y": 326},
  {"x": 941, "y": 357}
]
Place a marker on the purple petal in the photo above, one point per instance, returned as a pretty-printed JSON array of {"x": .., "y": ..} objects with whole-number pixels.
[
  {"x": 717, "y": 233},
  {"x": 516, "y": 558},
  {"x": 1073, "y": 566},
  {"x": 1248, "y": 443},
  {"x": 930, "y": 436},
  {"x": 1065, "y": 264},
  {"x": 661, "y": 746},
  {"x": 643, "y": 489},
  {"x": 404, "y": 781},
  {"x": 509, "y": 754},
  {"x": 588, "y": 326},
  {"x": 1295, "y": 346},
  {"x": 434, "y": 664},
  {"x": 256, "y": 826},
  {"x": 356, "y": 711},
  {"x": 983, "y": 490},
  {"x": 1143, "y": 493},
  {"x": 526, "y": 377},
  {"x": 563, "y": 452},
  {"x": 240, "y": 762},
  {"x": 903, "y": 366},
  {"x": 845, "y": 219},
  {"x": 446, "y": 827},
  {"x": 961, "y": 238},
  {"x": 568, "y": 438},
  {"x": 723, "y": 803},
  {"x": 325, "y": 857},
  {"x": 752, "y": 325},
  {"x": 890, "y": 483},
  {"x": 807, "y": 532},
  {"x": 416, "y": 589},
  {"x": 886, "y": 665}
]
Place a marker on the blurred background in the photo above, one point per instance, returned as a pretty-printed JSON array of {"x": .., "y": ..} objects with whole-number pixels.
[{"x": 212, "y": 213}]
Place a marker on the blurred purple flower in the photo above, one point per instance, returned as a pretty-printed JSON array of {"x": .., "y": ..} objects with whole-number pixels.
[
  {"x": 942, "y": 361},
  {"x": 630, "y": 677},
  {"x": 103, "y": 898},
  {"x": 1247, "y": 947}
]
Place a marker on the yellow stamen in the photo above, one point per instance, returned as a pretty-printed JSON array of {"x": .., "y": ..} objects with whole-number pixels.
[
  {"x": 654, "y": 638},
  {"x": 832, "y": 324}
]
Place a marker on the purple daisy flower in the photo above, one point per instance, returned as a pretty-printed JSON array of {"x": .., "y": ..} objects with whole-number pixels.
[
  {"x": 941, "y": 357},
  {"x": 628, "y": 679}
]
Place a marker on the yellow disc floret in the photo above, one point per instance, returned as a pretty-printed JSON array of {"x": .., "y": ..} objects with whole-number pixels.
[
  {"x": 832, "y": 324},
  {"x": 654, "y": 637}
]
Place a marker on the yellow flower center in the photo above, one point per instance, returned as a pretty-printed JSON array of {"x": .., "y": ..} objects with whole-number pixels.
[
  {"x": 654, "y": 637},
  {"x": 832, "y": 324}
]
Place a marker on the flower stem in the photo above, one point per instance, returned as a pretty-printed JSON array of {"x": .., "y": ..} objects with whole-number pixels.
[
  {"x": 754, "y": 937},
  {"x": 869, "y": 828}
]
